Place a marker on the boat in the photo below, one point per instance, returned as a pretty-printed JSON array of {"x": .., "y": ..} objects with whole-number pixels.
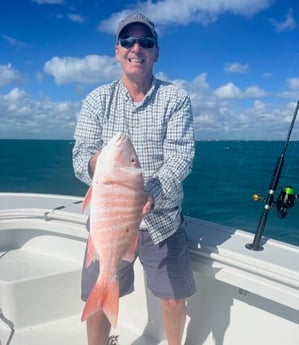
[{"x": 243, "y": 296}]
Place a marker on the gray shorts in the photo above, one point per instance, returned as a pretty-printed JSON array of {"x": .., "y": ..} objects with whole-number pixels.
[{"x": 166, "y": 265}]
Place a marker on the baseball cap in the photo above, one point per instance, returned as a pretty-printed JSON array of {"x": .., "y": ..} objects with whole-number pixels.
[{"x": 136, "y": 18}]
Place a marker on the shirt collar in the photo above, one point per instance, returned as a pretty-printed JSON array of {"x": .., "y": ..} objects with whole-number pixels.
[{"x": 148, "y": 94}]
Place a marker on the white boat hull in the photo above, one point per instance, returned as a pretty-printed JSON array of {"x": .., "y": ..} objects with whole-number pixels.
[{"x": 243, "y": 297}]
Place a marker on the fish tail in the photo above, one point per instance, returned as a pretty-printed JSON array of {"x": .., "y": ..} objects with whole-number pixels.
[{"x": 103, "y": 297}]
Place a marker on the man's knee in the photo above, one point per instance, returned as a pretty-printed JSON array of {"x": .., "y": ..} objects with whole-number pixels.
[{"x": 173, "y": 304}]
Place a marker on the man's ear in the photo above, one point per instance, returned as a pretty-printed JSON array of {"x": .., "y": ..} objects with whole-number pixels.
[{"x": 116, "y": 52}]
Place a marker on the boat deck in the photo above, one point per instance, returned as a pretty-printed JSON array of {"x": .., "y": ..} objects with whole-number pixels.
[
  {"x": 243, "y": 297},
  {"x": 63, "y": 332}
]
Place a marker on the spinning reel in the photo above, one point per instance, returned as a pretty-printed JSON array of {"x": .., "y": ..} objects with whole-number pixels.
[{"x": 286, "y": 199}]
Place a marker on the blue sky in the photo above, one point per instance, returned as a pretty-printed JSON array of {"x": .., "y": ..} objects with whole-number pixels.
[{"x": 237, "y": 59}]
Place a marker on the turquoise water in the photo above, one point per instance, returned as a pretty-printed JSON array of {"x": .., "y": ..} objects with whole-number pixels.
[{"x": 220, "y": 188}]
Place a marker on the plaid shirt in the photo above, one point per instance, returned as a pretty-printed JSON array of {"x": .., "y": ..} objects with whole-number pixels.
[{"x": 161, "y": 130}]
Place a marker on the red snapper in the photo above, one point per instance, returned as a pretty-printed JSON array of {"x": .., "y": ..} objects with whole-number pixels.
[{"x": 117, "y": 204}]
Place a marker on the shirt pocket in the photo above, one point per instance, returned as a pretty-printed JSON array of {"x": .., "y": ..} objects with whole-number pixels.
[{"x": 152, "y": 139}]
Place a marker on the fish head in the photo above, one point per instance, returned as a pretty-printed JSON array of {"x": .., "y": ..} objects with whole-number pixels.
[
  {"x": 118, "y": 154},
  {"x": 124, "y": 153}
]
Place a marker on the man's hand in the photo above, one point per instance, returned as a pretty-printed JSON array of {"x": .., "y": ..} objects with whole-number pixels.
[
  {"x": 149, "y": 204},
  {"x": 92, "y": 163}
]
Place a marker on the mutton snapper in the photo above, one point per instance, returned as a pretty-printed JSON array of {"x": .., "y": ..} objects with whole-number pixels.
[{"x": 117, "y": 204}]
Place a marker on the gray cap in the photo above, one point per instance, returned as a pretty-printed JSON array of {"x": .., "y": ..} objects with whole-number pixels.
[{"x": 136, "y": 18}]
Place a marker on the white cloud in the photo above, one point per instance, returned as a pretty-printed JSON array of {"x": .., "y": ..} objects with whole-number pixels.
[
  {"x": 88, "y": 70},
  {"x": 226, "y": 112},
  {"x": 76, "y": 18},
  {"x": 8, "y": 75},
  {"x": 288, "y": 24},
  {"x": 14, "y": 42},
  {"x": 28, "y": 118},
  {"x": 201, "y": 11},
  {"x": 197, "y": 85},
  {"x": 259, "y": 121},
  {"x": 49, "y": 2},
  {"x": 254, "y": 91},
  {"x": 228, "y": 91},
  {"x": 258, "y": 106},
  {"x": 231, "y": 91},
  {"x": 14, "y": 96},
  {"x": 229, "y": 111},
  {"x": 293, "y": 83},
  {"x": 267, "y": 75},
  {"x": 236, "y": 67},
  {"x": 201, "y": 81}
]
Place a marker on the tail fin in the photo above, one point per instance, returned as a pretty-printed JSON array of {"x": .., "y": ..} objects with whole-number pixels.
[{"x": 103, "y": 297}]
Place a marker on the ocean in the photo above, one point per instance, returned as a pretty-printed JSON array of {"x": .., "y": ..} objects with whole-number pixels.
[{"x": 225, "y": 176}]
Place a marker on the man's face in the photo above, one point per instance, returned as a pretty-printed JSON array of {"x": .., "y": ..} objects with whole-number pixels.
[{"x": 136, "y": 61}]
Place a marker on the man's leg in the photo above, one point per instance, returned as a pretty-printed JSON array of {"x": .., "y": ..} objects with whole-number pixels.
[
  {"x": 98, "y": 329},
  {"x": 174, "y": 318},
  {"x": 169, "y": 276},
  {"x": 98, "y": 326}
]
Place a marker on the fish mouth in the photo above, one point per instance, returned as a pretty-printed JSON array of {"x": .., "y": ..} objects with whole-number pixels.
[{"x": 120, "y": 138}]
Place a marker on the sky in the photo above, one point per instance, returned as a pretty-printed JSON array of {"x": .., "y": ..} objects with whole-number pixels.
[{"x": 237, "y": 59}]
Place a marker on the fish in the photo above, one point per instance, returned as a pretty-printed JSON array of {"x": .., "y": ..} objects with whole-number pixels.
[{"x": 117, "y": 203}]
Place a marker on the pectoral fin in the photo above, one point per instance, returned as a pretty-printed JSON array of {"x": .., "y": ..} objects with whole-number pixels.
[
  {"x": 91, "y": 254},
  {"x": 87, "y": 198},
  {"x": 131, "y": 252}
]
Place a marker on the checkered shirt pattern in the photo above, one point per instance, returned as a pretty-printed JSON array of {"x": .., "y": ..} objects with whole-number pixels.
[{"x": 161, "y": 130}]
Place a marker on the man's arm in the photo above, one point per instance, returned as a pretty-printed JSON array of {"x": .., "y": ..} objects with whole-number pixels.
[{"x": 178, "y": 147}]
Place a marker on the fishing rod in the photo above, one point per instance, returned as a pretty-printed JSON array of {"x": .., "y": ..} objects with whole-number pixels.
[{"x": 286, "y": 198}]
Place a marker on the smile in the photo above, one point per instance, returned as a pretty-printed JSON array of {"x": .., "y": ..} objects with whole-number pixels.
[{"x": 134, "y": 60}]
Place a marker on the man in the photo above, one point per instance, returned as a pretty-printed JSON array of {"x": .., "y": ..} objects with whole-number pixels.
[{"x": 157, "y": 116}]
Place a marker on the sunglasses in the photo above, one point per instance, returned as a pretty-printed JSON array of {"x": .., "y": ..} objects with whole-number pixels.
[{"x": 144, "y": 42}]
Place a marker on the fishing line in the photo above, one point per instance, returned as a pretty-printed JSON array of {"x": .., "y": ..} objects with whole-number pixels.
[
  {"x": 291, "y": 158},
  {"x": 293, "y": 65},
  {"x": 292, "y": 153},
  {"x": 295, "y": 143}
]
